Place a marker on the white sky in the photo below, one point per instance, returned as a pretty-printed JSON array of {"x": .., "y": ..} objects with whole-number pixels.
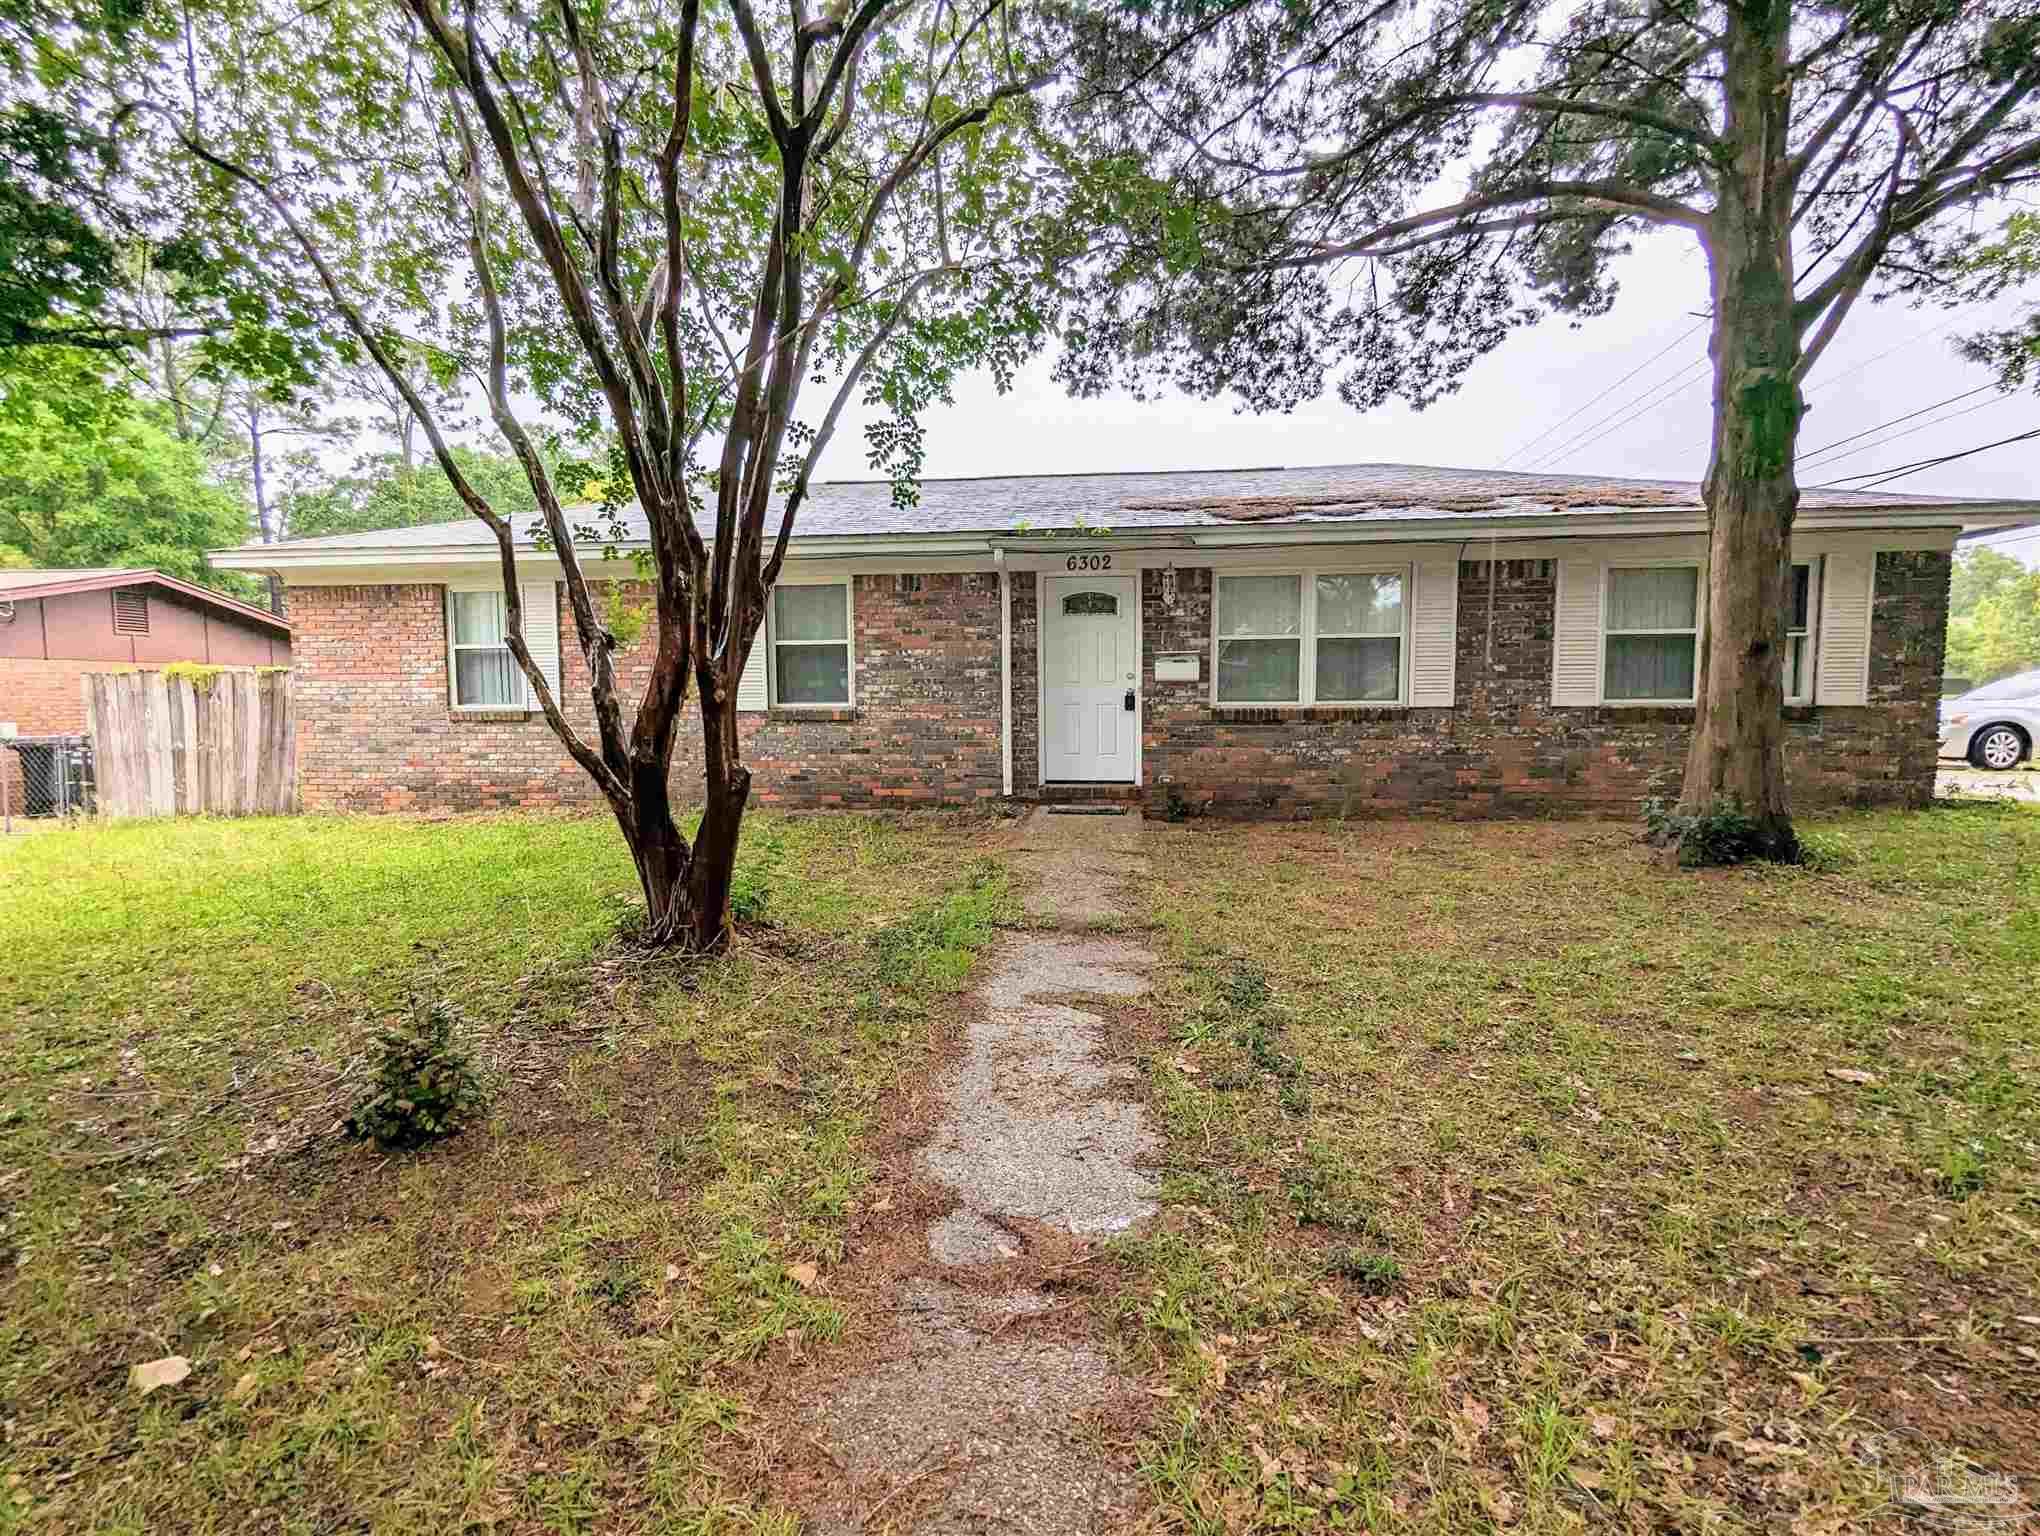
[{"x": 1537, "y": 378}]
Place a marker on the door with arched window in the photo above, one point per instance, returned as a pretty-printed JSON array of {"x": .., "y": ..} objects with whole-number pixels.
[{"x": 1090, "y": 680}]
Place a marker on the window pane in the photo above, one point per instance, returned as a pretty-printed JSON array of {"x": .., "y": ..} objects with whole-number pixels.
[
  {"x": 1091, "y": 602},
  {"x": 1362, "y": 670},
  {"x": 1359, "y": 605},
  {"x": 1797, "y": 587},
  {"x": 809, "y": 613},
  {"x": 1664, "y": 598},
  {"x": 478, "y": 618},
  {"x": 1259, "y": 671},
  {"x": 1260, "y": 605},
  {"x": 1649, "y": 667},
  {"x": 814, "y": 674},
  {"x": 1795, "y": 667},
  {"x": 488, "y": 677}
]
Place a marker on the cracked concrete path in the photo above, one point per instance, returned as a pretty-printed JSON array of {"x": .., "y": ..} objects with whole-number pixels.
[{"x": 983, "y": 1418}]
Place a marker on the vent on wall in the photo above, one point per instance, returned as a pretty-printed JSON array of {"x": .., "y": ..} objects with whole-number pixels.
[{"x": 130, "y": 612}]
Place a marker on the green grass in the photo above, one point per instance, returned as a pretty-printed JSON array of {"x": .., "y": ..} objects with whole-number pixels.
[
  {"x": 551, "y": 1324},
  {"x": 1508, "y": 1185}
]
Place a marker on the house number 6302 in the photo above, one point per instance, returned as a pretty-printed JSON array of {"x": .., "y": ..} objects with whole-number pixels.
[{"x": 1088, "y": 563}]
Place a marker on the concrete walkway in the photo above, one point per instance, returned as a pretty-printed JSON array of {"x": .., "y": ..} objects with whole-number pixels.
[{"x": 988, "y": 1415}]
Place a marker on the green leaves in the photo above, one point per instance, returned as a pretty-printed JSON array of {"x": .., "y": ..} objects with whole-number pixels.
[{"x": 89, "y": 477}]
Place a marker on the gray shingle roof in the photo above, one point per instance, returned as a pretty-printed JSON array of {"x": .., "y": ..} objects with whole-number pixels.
[{"x": 1206, "y": 498}]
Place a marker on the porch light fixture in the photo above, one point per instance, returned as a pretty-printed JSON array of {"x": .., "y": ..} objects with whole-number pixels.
[{"x": 1169, "y": 590}]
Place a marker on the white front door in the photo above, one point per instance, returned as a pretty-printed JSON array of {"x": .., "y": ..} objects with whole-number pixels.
[{"x": 1090, "y": 664}]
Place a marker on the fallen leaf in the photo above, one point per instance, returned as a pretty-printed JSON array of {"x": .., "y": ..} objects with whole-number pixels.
[
  {"x": 166, "y": 1372},
  {"x": 672, "y": 1272},
  {"x": 1586, "y": 1477},
  {"x": 1604, "y": 1426},
  {"x": 242, "y": 1389},
  {"x": 882, "y": 1203},
  {"x": 802, "y": 1275},
  {"x": 1475, "y": 1411},
  {"x": 1851, "y": 1075}
]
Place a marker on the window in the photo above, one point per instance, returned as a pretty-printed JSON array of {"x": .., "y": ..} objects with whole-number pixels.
[
  {"x": 1359, "y": 638},
  {"x": 811, "y": 645},
  {"x": 1102, "y": 604},
  {"x": 485, "y": 674},
  {"x": 130, "y": 611},
  {"x": 1799, "y": 635},
  {"x": 1310, "y": 638},
  {"x": 1652, "y": 634}
]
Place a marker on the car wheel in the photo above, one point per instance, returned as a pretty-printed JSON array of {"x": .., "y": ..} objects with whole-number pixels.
[{"x": 1997, "y": 746}]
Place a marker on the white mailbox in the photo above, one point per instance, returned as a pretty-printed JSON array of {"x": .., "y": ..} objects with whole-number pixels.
[{"x": 1176, "y": 667}]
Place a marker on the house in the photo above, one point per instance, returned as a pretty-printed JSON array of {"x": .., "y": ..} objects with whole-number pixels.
[
  {"x": 1265, "y": 642},
  {"x": 58, "y": 625}
]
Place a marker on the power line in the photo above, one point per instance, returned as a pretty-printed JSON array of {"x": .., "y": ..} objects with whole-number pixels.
[
  {"x": 1900, "y": 471},
  {"x": 1814, "y": 453},
  {"x": 1850, "y": 373},
  {"x": 1604, "y": 394},
  {"x": 1678, "y": 384},
  {"x": 1967, "y": 410}
]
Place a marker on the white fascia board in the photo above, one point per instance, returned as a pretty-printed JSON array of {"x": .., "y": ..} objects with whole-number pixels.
[{"x": 973, "y": 551}]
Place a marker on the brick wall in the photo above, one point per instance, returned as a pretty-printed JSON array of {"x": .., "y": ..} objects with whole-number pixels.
[
  {"x": 44, "y": 698},
  {"x": 376, "y": 732},
  {"x": 1505, "y": 749}
]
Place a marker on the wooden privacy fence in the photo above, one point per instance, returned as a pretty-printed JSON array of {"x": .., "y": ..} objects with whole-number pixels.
[{"x": 210, "y": 743}]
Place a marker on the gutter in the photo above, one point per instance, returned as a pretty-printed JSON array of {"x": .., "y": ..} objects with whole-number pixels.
[
  {"x": 995, "y": 543},
  {"x": 1005, "y": 672}
]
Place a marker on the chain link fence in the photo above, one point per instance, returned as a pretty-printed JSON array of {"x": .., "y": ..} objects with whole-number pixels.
[{"x": 45, "y": 777}]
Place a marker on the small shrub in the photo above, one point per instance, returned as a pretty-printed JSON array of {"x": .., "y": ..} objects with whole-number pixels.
[
  {"x": 750, "y": 895},
  {"x": 1374, "y": 1273},
  {"x": 1174, "y": 806},
  {"x": 426, "y": 1084},
  {"x": 1964, "y": 1169},
  {"x": 1724, "y": 833}
]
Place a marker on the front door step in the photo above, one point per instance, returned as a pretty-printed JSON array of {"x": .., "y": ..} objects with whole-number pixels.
[{"x": 1086, "y": 810}]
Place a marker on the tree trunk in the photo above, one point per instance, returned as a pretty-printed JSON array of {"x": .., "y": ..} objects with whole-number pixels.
[
  {"x": 687, "y": 890},
  {"x": 1738, "y": 750}
]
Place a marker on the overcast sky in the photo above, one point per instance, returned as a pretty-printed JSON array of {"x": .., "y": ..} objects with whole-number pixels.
[{"x": 1888, "y": 361}]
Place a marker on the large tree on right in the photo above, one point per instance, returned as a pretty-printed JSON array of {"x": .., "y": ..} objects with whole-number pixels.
[{"x": 1388, "y": 190}]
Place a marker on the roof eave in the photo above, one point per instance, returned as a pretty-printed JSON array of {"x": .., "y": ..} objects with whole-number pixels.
[{"x": 1968, "y": 517}]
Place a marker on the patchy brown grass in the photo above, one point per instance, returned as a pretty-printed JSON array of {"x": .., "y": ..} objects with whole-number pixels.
[
  {"x": 566, "y": 1321},
  {"x": 1511, "y": 1182}
]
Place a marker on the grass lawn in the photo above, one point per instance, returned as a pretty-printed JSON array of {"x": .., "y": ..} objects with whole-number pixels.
[
  {"x": 1514, "y": 1182},
  {"x": 550, "y": 1324}
]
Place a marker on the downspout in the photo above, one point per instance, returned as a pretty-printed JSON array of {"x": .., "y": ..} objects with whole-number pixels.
[{"x": 1005, "y": 672}]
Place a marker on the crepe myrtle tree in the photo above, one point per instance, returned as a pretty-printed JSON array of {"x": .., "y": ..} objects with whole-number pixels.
[
  {"x": 663, "y": 222},
  {"x": 1392, "y": 189}
]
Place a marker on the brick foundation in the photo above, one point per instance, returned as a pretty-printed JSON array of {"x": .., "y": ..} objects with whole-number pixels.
[{"x": 376, "y": 732}]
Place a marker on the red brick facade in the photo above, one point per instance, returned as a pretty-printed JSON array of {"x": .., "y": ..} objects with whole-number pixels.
[
  {"x": 1505, "y": 749},
  {"x": 376, "y": 732}
]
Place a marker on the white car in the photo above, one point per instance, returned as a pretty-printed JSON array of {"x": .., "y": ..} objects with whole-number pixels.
[{"x": 1996, "y": 725}]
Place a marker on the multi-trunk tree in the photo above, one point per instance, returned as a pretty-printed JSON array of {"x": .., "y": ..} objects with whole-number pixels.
[
  {"x": 1391, "y": 190},
  {"x": 658, "y": 224}
]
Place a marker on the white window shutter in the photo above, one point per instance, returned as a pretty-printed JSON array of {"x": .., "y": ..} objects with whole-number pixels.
[
  {"x": 1842, "y": 667},
  {"x": 1576, "y": 639},
  {"x": 751, "y": 691},
  {"x": 542, "y": 635},
  {"x": 1434, "y": 633}
]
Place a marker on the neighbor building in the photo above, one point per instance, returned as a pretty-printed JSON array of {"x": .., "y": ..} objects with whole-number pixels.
[
  {"x": 58, "y": 625},
  {"x": 1253, "y": 642}
]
